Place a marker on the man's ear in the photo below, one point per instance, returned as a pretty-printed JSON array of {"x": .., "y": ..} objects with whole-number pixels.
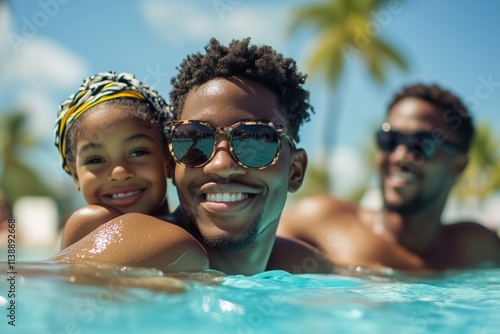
[
  {"x": 169, "y": 165},
  {"x": 460, "y": 162},
  {"x": 298, "y": 166}
]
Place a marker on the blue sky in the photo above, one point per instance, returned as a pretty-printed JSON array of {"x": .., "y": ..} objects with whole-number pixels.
[{"x": 47, "y": 47}]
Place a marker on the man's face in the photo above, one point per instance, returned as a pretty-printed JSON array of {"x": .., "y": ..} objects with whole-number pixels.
[
  {"x": 231, "y": 205},
  {"x": 410, "y": 182}
]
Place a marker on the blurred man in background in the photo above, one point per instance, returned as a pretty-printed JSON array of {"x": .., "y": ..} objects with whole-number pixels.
[{"x": 422, "y": 150}]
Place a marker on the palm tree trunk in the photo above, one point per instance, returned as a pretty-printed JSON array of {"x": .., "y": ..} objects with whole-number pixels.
[{"x": 330, "y": 133}]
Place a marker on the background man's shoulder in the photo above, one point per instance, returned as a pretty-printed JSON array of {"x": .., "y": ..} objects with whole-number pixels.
[{"x": 321, "y": 205}]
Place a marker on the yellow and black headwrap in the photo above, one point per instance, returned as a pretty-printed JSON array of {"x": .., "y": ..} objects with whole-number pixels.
[{"x": 96, "y": 89}]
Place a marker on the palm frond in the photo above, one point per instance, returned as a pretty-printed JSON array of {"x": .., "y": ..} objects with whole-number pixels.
[
  {"x": 339, "y": 25},
  {"x": 482, "y": 176},
  {"x": 315, "y": 16},
  {"x": 390, "y": 53}
]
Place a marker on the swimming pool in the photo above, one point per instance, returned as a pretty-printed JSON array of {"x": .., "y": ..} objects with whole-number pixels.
[{"x": 271, "y": 302}]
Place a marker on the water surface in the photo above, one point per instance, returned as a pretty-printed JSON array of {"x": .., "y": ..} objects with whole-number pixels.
[{"x": 61, "y": 298}]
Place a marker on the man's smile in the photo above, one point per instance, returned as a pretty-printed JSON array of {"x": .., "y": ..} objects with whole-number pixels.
[{"x": 226, "y": 197}]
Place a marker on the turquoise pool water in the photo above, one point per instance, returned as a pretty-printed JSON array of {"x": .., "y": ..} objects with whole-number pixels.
[{"x": 132, "y": 300}]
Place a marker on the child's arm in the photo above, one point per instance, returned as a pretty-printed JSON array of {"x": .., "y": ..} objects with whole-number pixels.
[
  {"x": 85, "y": 220},
  {"x": 138, "y": 240}
]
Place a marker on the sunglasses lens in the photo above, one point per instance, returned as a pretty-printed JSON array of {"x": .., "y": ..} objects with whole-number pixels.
[
  {"x": 420, "y": 143},
  {"x": 423, "y": 144},
  {"x": 192, "y": 144},
  {"x": 387, "y": 141},
  {"x": 255, "y": 145}
]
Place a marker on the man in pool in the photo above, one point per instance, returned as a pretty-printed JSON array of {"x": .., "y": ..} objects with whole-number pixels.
[
  {"x": 238, "y": 110},
  {"x": 423, "y": 146}
]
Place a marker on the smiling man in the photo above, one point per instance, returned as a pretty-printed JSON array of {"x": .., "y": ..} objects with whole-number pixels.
[
  {"x": 423, "y": 146},
  {"x": 237, "y": 112}
]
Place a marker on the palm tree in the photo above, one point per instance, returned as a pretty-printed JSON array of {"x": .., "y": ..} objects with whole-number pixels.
[
  {"x": 314, "y": 182},
  {"x": 345, "y": 29},
  {"x": 482, "y": 176},
  {"x": 16, "y": 177}
]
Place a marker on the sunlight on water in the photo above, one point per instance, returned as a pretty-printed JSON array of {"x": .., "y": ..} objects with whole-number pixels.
[{"x": 62, "y": 298}]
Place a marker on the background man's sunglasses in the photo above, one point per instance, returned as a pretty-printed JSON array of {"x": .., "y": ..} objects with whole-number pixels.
[
  {"x": 253, "y": 144},
  {"x": 422, "y": 143}
]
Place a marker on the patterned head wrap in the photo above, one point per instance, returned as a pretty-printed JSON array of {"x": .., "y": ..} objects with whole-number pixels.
[{"x": 96, "y": 89}]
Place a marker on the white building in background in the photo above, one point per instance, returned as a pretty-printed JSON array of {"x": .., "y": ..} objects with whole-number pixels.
[{"x": 36, "y": 221}]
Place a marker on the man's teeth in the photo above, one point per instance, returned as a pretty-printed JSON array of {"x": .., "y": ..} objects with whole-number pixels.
[
  {"x": 226, "y": 197},
  {"x": 408, "y": 176},
  {"x": 121, "y": 195}
]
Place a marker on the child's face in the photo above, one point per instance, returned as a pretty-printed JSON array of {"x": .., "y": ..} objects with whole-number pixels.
[{"x": 120, "y": 163}]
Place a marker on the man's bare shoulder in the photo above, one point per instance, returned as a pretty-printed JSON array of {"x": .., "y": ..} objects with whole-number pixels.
[
  {"x": 476, "y": 242},
  {"x": 319, "y": 207},
  {"x": 471, "y": 230},
  {"x": 312, "y": 215},
  {"x": 297, "y": 257}
]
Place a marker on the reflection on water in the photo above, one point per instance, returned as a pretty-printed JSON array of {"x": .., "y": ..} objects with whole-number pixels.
[
  {"x": 60, "y": 298},
  {"x": 26, "y": 252}
]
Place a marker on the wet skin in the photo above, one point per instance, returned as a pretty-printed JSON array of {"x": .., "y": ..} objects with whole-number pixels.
[
  {"x": 231, "y": 208},
  {"x": 232, "y": 211},
  {"x": 121, "y": 167},
  {"x": 408, "y": 232}
]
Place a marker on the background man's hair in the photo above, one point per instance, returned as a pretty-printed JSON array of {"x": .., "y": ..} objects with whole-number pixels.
[{"x": 448, "y": 103}]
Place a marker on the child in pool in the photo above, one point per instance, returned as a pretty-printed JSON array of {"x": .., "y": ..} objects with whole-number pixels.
[
  {"x": 230, "y": 198},
  {"x": 110, "y": 139}
]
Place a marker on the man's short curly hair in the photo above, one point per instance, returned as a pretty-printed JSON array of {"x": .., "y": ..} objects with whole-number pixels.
[
  {"x": 260, "y": 64},
  {"x": 455, "y": 113}
]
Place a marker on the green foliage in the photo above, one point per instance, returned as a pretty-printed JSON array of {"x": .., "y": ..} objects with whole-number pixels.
[
  {"x": 343, "y": 33},
  {"x": 481, "y": 178},
  {"x": 16, "y": 177},
  {"x": 344, "y": 30}
]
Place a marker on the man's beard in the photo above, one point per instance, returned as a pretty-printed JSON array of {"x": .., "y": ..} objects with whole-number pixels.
[
  {"x": 228, "y": 242},
  {"x": 414, "y": 205},
  {"x": 405, "y": 208}
]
